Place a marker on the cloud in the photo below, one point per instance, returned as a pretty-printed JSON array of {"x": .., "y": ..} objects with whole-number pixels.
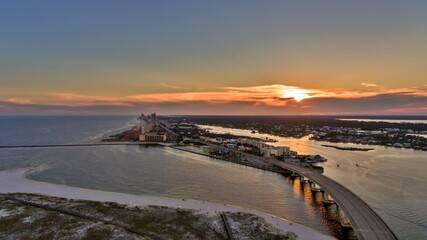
[
  {"x": 407, "y": 110},
  {"x": 267, "y": 99},
  {"x": 369, "y": 84},
  {"x": 270, "y": 95},
  {"x": 73, "y": 99},
  {"x": 67, "y": 99},
  {"x": 170, "y": 86},
  {"x": 20, "y": 100}
]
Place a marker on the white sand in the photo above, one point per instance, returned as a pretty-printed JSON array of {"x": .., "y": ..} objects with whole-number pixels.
[
  {"x": 14, "y": 181},
  {"x": 4, "y": 213}
]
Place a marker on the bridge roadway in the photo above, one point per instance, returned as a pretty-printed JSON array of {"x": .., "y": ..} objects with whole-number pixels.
[{"x": 364, "y": 221}]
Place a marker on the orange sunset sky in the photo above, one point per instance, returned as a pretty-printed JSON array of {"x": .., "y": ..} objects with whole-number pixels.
[{"x": 213, "y": 57}]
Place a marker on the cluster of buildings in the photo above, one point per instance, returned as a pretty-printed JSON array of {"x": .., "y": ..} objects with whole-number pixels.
[
  {"x": 264, "y": 149},
  {"x": 250, "y": 145},
  {"x": 146, "y": 131},
  {"x": 153, "y": 137},
  {"x": 392, "y": 137}
]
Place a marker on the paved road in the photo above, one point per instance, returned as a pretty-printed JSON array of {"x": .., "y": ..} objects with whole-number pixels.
[
  {"x": 166, "y": 128},
  {"x": 364, "y": 221}
]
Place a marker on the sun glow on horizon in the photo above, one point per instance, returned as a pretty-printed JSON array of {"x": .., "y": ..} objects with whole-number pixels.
[{"x": 297, "y": 94}]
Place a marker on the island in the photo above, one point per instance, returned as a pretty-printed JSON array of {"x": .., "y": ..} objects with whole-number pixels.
[{"x": 348, "y": 148}]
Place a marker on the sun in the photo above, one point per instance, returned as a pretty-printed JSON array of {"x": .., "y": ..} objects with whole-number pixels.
[{"x": 297, "y": 94}]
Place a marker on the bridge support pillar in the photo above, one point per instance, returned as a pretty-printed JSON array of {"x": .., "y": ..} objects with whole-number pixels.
[
  {"x": 295, "y": 175},
  {"x": 315, "y": 188},
  {"x": 304, "y": 180}
]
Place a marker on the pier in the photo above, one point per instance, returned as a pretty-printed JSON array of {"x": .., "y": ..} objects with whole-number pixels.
[{"x": 79, "y": 145}]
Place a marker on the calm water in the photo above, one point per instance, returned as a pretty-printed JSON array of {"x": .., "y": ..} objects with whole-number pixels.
[
  {"x": 392, "y": 181},
  {"x": 152, "y": 170},
  {"x": 58, "y": 129}
]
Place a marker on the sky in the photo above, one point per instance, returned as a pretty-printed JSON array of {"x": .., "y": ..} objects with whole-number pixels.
[{"x": 213, "y": 57}]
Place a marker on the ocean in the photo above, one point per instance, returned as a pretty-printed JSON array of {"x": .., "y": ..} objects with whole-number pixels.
[
  {"x": 392, "y": 181},
  {"x": 156, "y": 171}
]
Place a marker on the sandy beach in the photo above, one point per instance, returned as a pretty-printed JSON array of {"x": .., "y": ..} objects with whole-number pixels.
[{"x": 14, "y": 181}]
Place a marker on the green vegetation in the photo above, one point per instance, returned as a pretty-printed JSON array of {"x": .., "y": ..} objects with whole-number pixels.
[
  {"x": 317, "y": 169},
  {"x": 349, "y": 148},
  {"x": 116, "y": 137},
  {"x": 257, "y": 227},
  {"x": 29, "y": 216}
]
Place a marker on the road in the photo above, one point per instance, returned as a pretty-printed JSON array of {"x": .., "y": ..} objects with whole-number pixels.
[
  {"x": 364, "y": 221},
  {"x": 166, "y": 128}
]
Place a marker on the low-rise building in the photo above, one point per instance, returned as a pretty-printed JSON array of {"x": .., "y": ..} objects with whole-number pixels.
[
  {"x": 153, "y": 137},
  {"x": 274, "y": 151},
  {"x": 133, "y": 134},
  {"x": 251, "y": 142}
]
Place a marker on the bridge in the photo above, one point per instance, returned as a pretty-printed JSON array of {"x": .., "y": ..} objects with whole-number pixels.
[{"x": 364, "y": 221}]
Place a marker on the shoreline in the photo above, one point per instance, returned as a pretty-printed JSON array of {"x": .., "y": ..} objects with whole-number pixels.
[
  {"x": 107, "y": 134},
  {"x": 15, "y": 181},
  {"x": 209, "y": 128},
  {"x": 247, "y": 164}
]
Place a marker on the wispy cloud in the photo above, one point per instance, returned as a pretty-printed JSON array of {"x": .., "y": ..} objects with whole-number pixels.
[
  {"x": 369, "y": 84},
  {"x": 273, "y": 95},
  {"x": 20, "y": 101},
  {"x": 170, "y": 86},
  {"x": 67, "y": 99},
  {"x": 407, "y": 110},
  {"x": 85, "y": 100},
  {"x": 267, "y": 98}
]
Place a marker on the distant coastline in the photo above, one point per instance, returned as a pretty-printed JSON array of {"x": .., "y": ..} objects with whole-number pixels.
[{"x": 417, "y": 121}]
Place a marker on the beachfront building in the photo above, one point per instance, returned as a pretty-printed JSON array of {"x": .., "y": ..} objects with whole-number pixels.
[
  {"x": 133, "y": 134},
  {"x": 147, "y": 128},
  {"x": 269, "y": 151},
  {"x": 252, "y": 142},
  {"x": 153, "y": 137}
]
